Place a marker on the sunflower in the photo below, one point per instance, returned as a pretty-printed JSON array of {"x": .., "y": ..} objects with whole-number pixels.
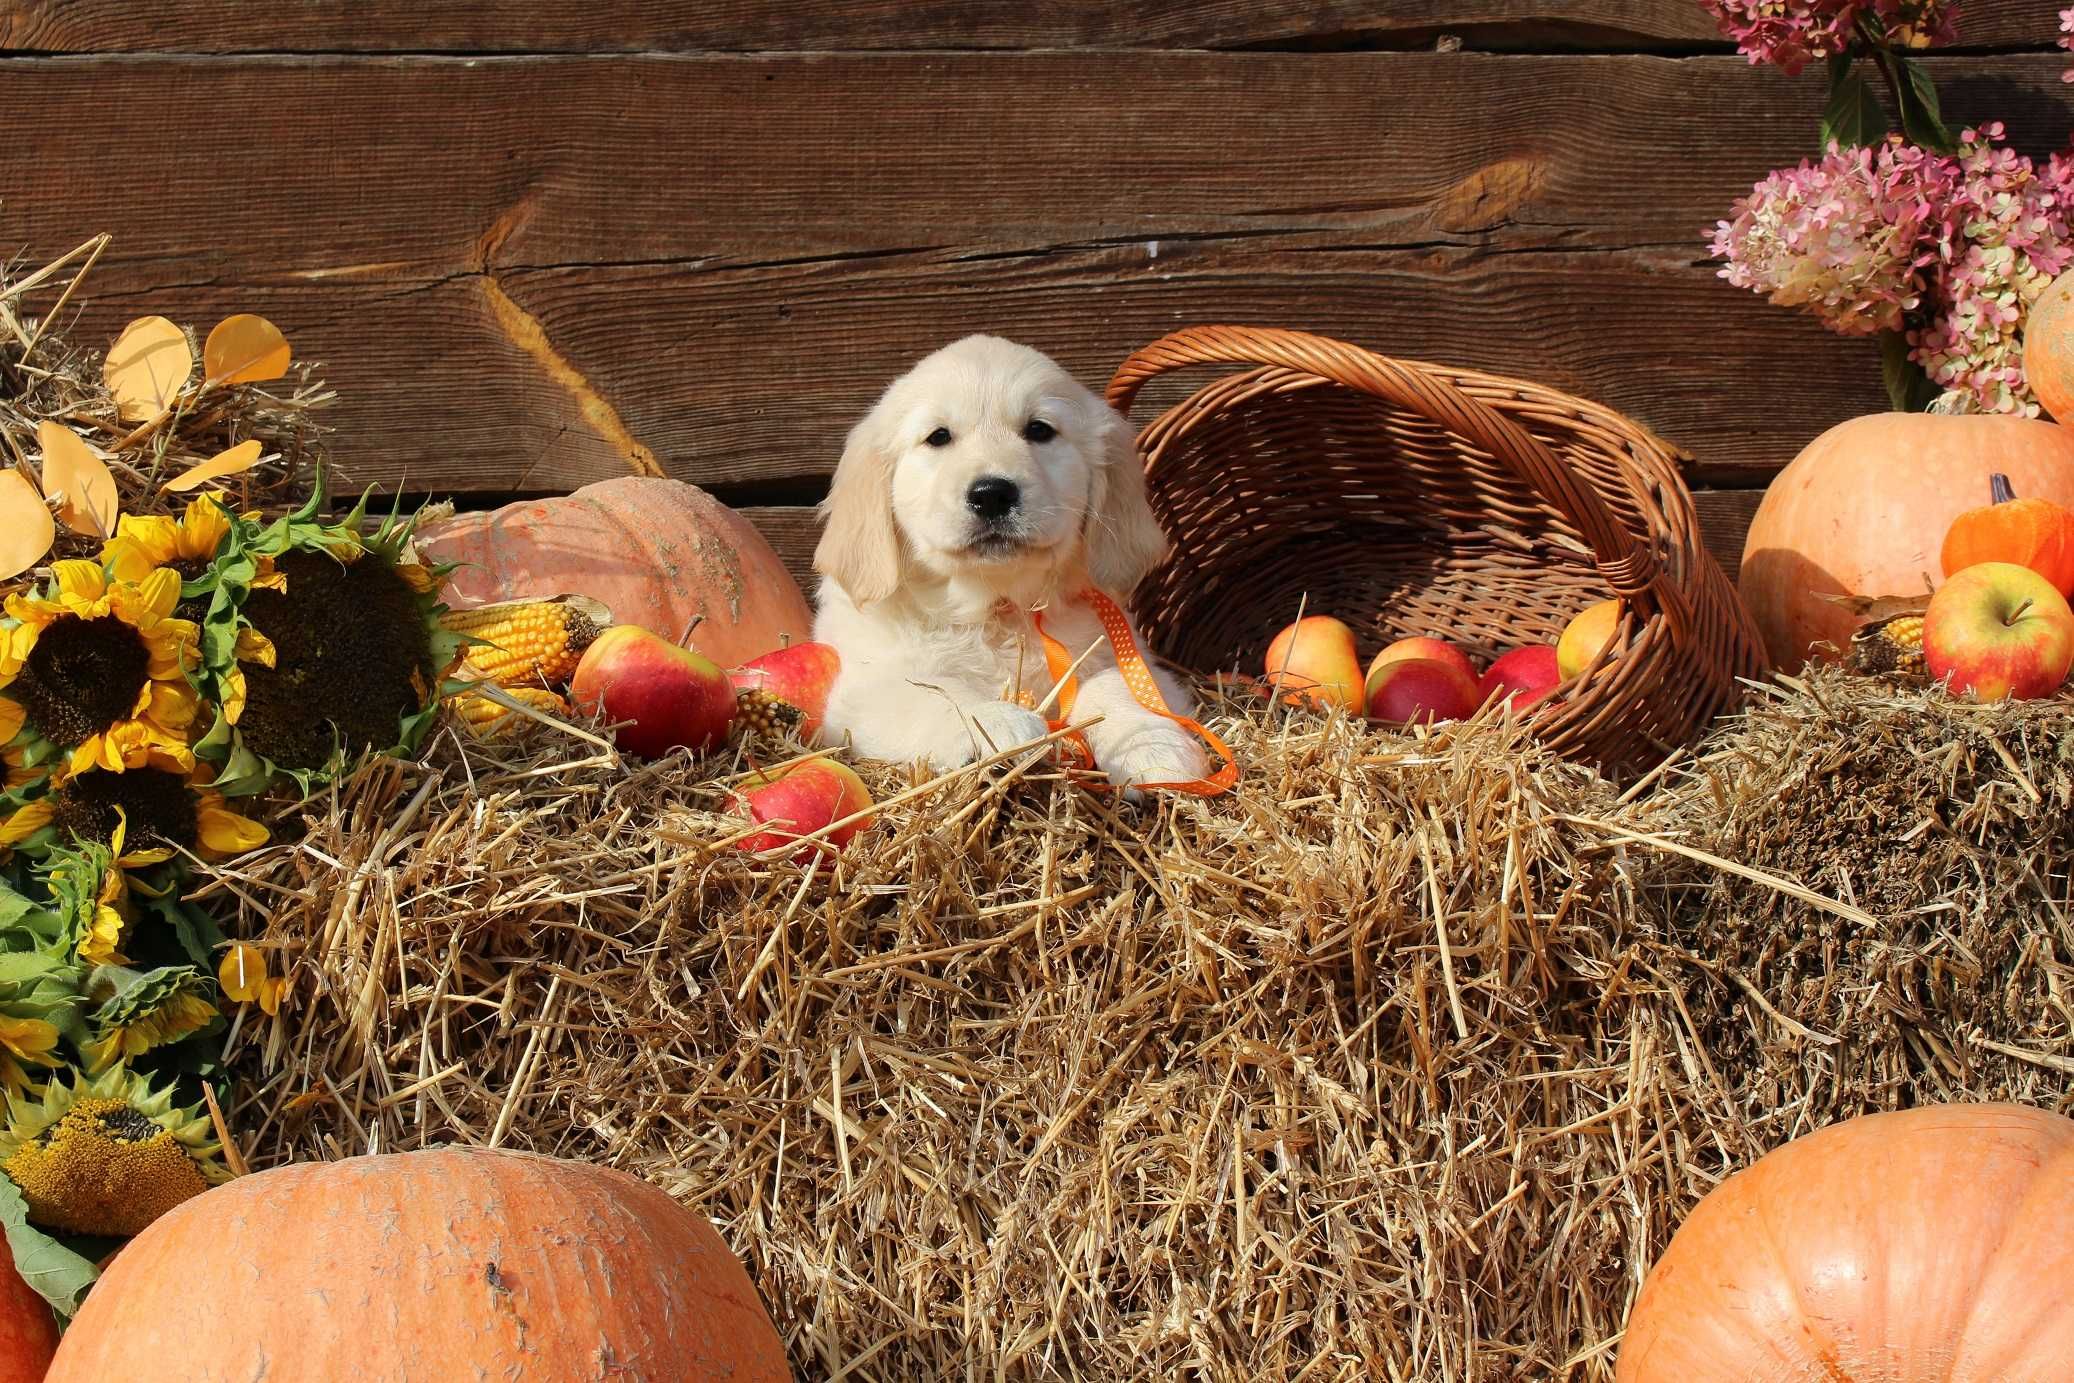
[
  {"x": 141, "y": 1012},
  {"x": 158, "y": 808},
  {"x": 107, "y": 1155},
  {"x": 90, "y": 894},
  {"x": 99, "y": 667},
  {"x": 345, "y": 656}
]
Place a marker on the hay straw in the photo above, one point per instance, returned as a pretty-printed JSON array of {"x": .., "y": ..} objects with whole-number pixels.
[
  {"x": 1401, "y": 1061},
  {"x": 46, "y": 375}
]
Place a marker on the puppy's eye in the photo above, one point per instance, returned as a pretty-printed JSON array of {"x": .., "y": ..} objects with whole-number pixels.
[
  {"x": 1038, "y": 430},
  {"x": 939, "y": 438}
]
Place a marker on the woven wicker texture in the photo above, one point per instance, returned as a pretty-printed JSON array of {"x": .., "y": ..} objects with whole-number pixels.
[{"x": 1411, "y": 499}]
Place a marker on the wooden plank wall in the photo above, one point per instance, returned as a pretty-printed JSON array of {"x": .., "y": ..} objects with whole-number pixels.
[{"x": 537, "y": 245}]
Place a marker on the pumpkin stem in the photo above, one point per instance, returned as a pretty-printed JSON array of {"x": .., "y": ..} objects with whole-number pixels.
[{"x": 1998, "y": 487}]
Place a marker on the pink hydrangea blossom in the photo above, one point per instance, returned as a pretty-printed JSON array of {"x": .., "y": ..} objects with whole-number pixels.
[
  {"x": 1845, "y": 238},
  {"x": 2002, "y": 238},
  {"x": 1951, "y": 251},
  {"x": 1793, "y": 33}
]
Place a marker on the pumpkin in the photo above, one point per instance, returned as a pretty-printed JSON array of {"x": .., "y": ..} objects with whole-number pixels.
[
  {"x": 2049, "y": 348},
  {"x": 1928, "y": 1246},
  {"x": 445, "y": 1263},
  {"x": 28, "y": 1330},
  {"x": 1864, "y": 511},
  {"x": 2034, "y": 533},
  {"x": 658, "y": 553}
]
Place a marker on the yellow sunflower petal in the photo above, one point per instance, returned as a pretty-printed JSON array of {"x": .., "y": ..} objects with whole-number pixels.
[
  {"x": 223, "y": 832},
  {"x": 232, "y": 702},
  {"x": 203, "y": 528},
  {"x": 28, "y": 1038},
  {"x": 254, "y": 647},
  {"x": 80, "y": 580},
  {"x": 12, "y": 715},
  {"x": 171, "y": 644},
  {"x": 270, "y": 992},
  {"x": 418, "y": 577},
  {"x": 144, "y": 859},
  {"x": 102, "y": 945},
  {"x": 95, "y": 751},
  {"x": 174, "y": 706},
  {"x": 27, "y": 820},
  {"x": 242, "y": 972},
  {"x": 159, "y": 591},
  {"x": 141, "y": 543}
]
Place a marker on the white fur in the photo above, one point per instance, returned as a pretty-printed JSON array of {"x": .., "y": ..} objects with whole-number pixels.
[{"x": 913, "y": 601}]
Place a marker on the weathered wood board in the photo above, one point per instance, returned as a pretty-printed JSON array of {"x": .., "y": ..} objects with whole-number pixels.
[{"x": 535, "y": 246}]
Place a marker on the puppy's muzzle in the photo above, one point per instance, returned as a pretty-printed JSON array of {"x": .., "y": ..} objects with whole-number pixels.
[{"x": 993, "y": 499}]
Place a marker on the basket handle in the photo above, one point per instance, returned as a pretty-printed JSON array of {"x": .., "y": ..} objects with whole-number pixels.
[{"x": 1629, "y": 567}]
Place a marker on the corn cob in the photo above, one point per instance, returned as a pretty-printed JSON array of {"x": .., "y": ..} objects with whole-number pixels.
[
  {"x": 766, "y": 713},
  {"x": 487, "y": 719},
  {"x": 1890, "y": 646},
  {"x": 526, "y": 643}
]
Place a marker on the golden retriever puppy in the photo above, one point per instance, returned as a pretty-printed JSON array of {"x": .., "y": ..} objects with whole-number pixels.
[{"x": 984, "y": 485}]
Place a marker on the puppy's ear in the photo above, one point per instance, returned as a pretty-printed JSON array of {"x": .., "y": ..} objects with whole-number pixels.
[
  {"x": 859, "y": 548},
  {"x": 1124, "y": 540}
]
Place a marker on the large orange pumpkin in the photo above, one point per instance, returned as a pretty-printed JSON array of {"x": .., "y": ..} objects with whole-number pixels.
[
  {"x": 449, "y": 1263},
  {"x": 2049, "y": 348},
  {"x": 28, "y": 1330},
  {"x": 657, "y": 553},
  {"x": 1864, "y": 511},
  {"x": 1929, "y": 1246}
]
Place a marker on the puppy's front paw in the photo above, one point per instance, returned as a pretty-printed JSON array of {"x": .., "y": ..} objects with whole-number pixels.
[
  {"x": 1160, "y": 752},
  {"x": 981, "y": 732},
  {"x": 1001, "y": 725}
]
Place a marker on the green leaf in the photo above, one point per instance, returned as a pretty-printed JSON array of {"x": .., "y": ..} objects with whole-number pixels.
[
  {"x": 1921, "y": 120},
  {"x": 60, "y": 1276},
  {"x": 1854, "y": 117},
  {"x": 1908, "y": 388}
]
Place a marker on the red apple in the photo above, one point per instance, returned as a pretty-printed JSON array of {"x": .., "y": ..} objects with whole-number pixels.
[
  {"x": 671, "y": 697},
  {"x": 800, "y": 800},
  {"x": 1315, "y": 660},
  {"x": 795, "y": 679},
  {"x": 1439, "y": 650},
  {"x": 1527, "y": 675},
  {"x": 1421, "y": 689},
  {"x": 1999, "y": 630}
]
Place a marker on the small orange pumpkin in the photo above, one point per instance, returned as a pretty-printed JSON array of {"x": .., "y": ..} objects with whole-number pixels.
[
  {"x": 2034, "y": 533},
  {"x": 1931, "y": 1245}
]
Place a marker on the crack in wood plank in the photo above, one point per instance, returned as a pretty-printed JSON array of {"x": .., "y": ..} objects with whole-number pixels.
[{"x": 526, "y": 331}]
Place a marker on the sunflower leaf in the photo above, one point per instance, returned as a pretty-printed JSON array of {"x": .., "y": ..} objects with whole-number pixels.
[{"x": 57, "y": 1274}]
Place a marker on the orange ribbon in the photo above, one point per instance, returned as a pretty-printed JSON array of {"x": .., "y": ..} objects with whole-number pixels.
[{"x": 1137, "y": 675}]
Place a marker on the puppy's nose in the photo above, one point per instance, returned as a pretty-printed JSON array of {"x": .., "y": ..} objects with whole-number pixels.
[{"x": 992, "y": 497}]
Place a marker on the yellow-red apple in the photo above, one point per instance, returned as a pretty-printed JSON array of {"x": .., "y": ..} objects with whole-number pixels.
[
  {"x": 670, "y": 697},
  {"x": 1999, "y": 630},
  {"x": 787, "y": 685},
  {"x": 1585, "y": 635},
  {"x": 1526, "y": 675},
  {"x": 1439, "y": 650},
  {"x": 1314, "y": 660},
  {"x": 800, "y": 800},
  {"x": 1412, "y": 690}
]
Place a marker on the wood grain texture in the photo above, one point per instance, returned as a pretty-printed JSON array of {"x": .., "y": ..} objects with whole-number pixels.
[
  {"x": 794, "y": 529},
  {"x": 525, "y": 274},
  {"x": 338, "y": 26}
]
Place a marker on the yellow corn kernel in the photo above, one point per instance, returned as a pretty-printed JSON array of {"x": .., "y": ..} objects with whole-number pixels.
[
  {"x": 487, "y": 719},
  {"x": 527, "y": 643}
]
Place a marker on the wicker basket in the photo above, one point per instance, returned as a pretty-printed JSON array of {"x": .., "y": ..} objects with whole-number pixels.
[{"x": 1410, "y": 499}]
